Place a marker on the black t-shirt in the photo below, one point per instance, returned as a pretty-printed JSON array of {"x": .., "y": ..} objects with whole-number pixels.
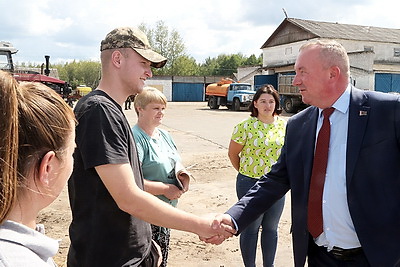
[{"x": 101, "y": 234}]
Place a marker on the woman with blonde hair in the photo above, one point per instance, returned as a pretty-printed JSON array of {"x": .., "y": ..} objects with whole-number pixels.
[
  {"x": 37, "y": 132},
  {"x": 164, "y": 175}
]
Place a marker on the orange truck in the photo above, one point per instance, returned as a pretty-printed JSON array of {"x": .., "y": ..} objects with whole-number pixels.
[{"x": 233, "y": 95}]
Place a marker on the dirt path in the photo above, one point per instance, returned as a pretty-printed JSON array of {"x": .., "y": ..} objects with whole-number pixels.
[{"x": 212, "y": 191}]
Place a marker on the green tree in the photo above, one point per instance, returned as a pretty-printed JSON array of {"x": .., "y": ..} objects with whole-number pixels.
[
  {"x": 223, "y": 65},
  {"x": 209, "y": 67},
  {"x": 168, "y": 43},
  {"x": 229, "y": 64},
  {"x": 80, "y": 72},
  {"x": 252, "y": 60},
  {"x": 186, "y": 66}
]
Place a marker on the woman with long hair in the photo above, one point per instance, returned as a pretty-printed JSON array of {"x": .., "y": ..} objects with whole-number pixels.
[{"x": 37, "y": 132}]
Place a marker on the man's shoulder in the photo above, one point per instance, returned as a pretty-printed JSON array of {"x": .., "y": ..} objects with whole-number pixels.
[
  {"x": 373, "y": 98},
  {"x": 94, "y": 98},
  {"x": 304, "y": 114},
  {"x": 96, "y": 101}
]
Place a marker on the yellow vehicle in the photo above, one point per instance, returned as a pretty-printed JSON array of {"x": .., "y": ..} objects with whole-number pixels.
[{"x": 83, "y": 90}]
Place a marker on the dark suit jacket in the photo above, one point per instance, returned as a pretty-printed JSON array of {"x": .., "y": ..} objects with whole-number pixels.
[{"x": 372, "y": 174}]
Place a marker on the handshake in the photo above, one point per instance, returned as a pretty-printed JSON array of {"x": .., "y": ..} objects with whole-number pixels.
[{"x": 217, "y": 228}]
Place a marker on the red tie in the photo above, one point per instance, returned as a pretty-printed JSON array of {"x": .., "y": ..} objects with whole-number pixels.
[{"x": 315, "y": 222}]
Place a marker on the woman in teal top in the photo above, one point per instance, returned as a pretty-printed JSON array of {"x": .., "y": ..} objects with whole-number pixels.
[
  {"x": 164, "y": 175},
  {"x": 255, "y": 146}
]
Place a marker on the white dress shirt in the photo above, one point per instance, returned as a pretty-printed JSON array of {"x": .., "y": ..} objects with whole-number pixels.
[{"x": 337, "y": 223}]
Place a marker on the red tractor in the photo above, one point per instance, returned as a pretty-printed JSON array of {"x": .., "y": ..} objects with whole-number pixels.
[{"x": 31, "y": 75}]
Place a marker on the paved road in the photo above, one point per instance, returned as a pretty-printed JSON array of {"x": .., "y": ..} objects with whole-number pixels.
[
  {"x": 196, "y": 119},
  {"x": 199, "y": 131}
]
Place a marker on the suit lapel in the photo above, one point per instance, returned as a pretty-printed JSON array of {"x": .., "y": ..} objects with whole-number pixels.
[
  {"x": 309, "y": 132},
  {"x": 358, "y": 118}
]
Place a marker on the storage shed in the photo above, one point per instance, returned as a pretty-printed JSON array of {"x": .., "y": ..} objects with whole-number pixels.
[
  {"x": 374, "y": 52},
  {"x": 182, "y": 88}
]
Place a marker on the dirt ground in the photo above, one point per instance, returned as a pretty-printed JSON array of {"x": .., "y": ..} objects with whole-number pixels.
[{"x": 212, "y": 191}]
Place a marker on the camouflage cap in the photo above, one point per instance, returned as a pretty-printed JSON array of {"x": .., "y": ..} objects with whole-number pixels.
[{"x": 126, "y": 37}]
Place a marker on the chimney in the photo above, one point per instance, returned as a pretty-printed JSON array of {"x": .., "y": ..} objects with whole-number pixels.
[{"x": 47, "y": 70}]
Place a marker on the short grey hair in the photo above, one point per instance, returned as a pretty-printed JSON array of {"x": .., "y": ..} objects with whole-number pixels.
[{"x": 332, "y": 53}]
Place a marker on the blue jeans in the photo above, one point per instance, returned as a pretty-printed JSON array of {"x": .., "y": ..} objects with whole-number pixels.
[{"x": 269, "y": 224}]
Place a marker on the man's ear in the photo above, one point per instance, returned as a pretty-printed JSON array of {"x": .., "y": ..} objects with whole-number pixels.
[
  {"x": 46, "y": 168},
  {"x": 334, "y": 73},
  {"x": 116, "y": 58}
]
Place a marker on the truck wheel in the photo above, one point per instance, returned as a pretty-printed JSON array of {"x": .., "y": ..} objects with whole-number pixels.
[
  {"x": 212, "y": 102},
  {"x": 288, "y": 105},
  {"x": 236, "y": 104}
]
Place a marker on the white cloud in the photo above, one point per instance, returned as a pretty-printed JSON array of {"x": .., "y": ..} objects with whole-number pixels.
[{"x": 73, "y": 29}]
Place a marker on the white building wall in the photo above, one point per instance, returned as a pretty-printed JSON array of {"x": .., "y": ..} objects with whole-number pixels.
[
  {"x": 363, "y": 67},
  {"x": 164, "y": 85},
  {"x": 281, "y": 54},
  {"x": 244, "y": 71},
  {"x": 287, "y": 53},
  {"x": 383, "y": 51},
  {"x": 246, "y": 74},
  {"x": 361, "y": 70}
]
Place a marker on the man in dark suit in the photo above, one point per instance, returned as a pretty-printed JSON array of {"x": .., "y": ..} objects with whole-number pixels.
[{"x": 361, "y": 191}]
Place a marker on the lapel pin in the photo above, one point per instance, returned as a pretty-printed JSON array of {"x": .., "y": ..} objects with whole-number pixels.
[{"x": 363, "y": 113}]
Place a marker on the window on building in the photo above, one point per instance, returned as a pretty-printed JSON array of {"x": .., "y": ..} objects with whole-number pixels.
[
  {"x": 288, "y": 50},
  {"x": 369, "y": 48},
  {"x": 397, "y": 52}
]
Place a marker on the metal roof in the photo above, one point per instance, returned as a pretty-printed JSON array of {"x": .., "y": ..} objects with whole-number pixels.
[
  {"x": 348, "y": 31},
  {"x": 341, "y": 31},
  {"x": 8, "y": 47},
  {"x": 36, "y": 77}
]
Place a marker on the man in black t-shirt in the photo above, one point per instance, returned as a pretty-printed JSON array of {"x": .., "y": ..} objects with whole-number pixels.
[
  {"x": 110, "y": 210},
  {"x": 106, "y": 139}
]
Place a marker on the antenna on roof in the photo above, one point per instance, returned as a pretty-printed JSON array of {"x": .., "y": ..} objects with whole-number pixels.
[{"x": 284, "y": 11}]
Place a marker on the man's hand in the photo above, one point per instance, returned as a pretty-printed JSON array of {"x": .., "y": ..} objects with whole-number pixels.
[{"x": 223, "y": 228}]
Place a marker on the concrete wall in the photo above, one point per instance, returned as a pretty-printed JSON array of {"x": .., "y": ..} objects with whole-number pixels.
[
  {"x": 361, "y": 69},
  {"x": 246, "y": 74},
  {"x": 287, "y": 53},
  {"x": 281, "y": 55},
  {"x": 383, "y": 51},
  {"x": 162, "y": 83},
  {"x": 366, "y": 59}
]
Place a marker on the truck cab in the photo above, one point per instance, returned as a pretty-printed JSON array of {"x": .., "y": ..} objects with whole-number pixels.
[
  {"x": 239, "y": 95},
  {"x": 6, "y": 50},
  {"x": 228, "y": 93}
]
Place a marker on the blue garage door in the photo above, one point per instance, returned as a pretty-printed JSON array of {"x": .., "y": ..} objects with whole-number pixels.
[
  {"x": 187, "y": 92},
  {"x": 396, "y": 83},
  {"x": 387, "y": 82}
]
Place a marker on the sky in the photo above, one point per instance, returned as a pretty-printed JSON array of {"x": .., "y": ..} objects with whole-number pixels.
[{"x": 73, "y": 29}]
